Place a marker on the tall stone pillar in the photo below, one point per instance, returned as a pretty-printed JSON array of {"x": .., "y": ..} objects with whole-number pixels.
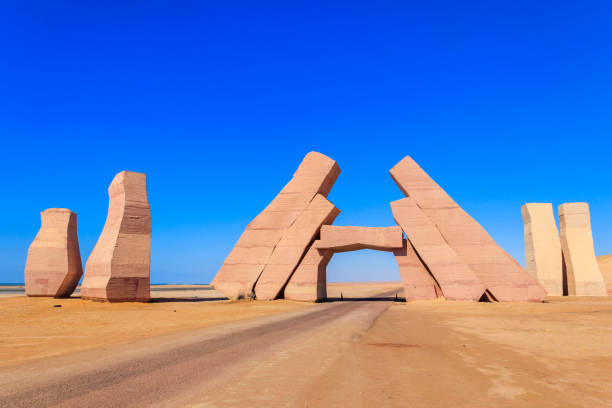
[
  {"x": 119, "y": 265},
  {"x": 53, "y": 267},
  {"x": 582, "y": 271},
  {"x": 309, "y": 281},
  {"x": 543, "y": 259}
]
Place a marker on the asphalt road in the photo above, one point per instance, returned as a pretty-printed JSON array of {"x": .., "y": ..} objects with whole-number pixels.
[{"x": 204, "y": 367}]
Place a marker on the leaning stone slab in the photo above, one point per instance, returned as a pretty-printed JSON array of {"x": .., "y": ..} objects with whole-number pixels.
[
  {"x": 309, "y": 281},
  {"x": 247, "y": 260},
  {"x": 418, "y": 283},
  {"x": 455, "y": 278},
  {"x": 53, "y": 267},
  {"x": 119, "y": 265},
  {"x": 582, "y": 270},
  {"x": 348, "y": 238},
  {"x": 543, "y": 258},
  {"x": 293, "y": 245},
  {"x": 501, "y": 275}
]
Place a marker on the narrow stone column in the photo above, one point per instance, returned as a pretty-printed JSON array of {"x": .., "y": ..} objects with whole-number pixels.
[
  {"x": 53, "y": 267},
  {"x": 309, "y": 281},
  {"x": 119, "y": 265},
  {"x": 543, "y": 259},
  {"x": 418, "y": 283},
  {"x": 582, "y": 271}
]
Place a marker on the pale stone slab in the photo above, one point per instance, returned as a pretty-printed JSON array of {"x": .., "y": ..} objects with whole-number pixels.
[
  {"x": 309, "y": 281},
  {"x": 348, "y": 238},
  {"x": 293, "y": 245},
  {"x": 455, "y": 278},
  {"x": 53, "y": 267},
  {"x": 119, "y": 265},
  {"x": 543, "y": 259},
  {"x": 501, "y": 275},
  {"x": 605, "y": 266},
  {"x": 238, "y": 274},
  {"x": 583, "y": 275},
  {"x": 418, "y": 283}
]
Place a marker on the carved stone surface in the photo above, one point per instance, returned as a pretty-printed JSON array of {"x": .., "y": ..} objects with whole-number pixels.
[
  {"x": 456, "y": 279},
  {"x": 53, "y": 267},
  {"x": 119, "y": 265},
  {"x": 309, "y": 281},
  {"x": 605, "y": 266},
  {"x": 244, "y": 265},
  {"x": 583, "y": 275},
  {"x": 293, "y": 245},
  {"x": 501, "y": 275},
  {"x": 341, "y": 238},
  {"x": 543, "y": 258},
  {"x": 418, "y": 283}
]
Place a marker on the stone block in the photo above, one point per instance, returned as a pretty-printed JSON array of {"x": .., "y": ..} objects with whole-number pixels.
[
  {"x": 543, "y": 259},
  {"x": 119, "y": 266},
  {"x": 455, "y": 278},
  {"x": 418, "y": 283},
  {"x": 348, "y": 238},
  {"x": 501, "y": 275},
  {"x": 53, "y": 267},
  {"x": 314, "y": 176},
  {"x": 293, "y": 246},
  {"x": 309, "y": 281},
  {"x": 582, "y": 270}
]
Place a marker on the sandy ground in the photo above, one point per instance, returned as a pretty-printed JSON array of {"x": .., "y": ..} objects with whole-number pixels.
[
  {"x": 353, "y": 353},
  {"x": 33, "y": 328},
  {"x": 350, "y": 290}
]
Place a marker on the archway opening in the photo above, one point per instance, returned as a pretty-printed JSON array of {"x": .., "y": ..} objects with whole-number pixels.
[{"x": 364, "y": 274}]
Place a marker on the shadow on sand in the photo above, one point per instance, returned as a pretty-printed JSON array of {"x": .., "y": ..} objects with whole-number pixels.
[
  {"x": 366, "y": 299},
  {"x": 185, "y": 300}
]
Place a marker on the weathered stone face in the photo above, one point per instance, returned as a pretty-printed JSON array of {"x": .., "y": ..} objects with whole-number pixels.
[
  {"x": 258, "y": 244},
  {"x": 543, "y": 258},
  {"x": 119, "y": 265},
  {"x": 292, "y": 246},
  {"x": 53, "y": 267},
  {"x": 345, "y": 238},
  {"x": 456, "y": 279},
  {"x": 501, "y": 275},
  {"x": 309, "y": 281},
  {"x": 583, "y": 275},
  {"x": 418, "y": 283}
]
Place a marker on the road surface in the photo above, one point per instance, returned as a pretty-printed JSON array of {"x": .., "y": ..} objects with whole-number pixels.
[{"x": 208, "y": 367}]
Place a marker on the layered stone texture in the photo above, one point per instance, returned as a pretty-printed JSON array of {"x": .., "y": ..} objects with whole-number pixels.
[
  {"x": 455, "y": 278},
  {"x": 341, "y": 238},
  {"x": 53, "y": 267},
  {"x": 119, "y": 265},
  {"x": 255, "y": 249},
  {"x": 500, "y": 274},
  {"x": 582, "y": 271},
  {"x": 292, "y": 246},
  {"x": 418, "y": 283},
  {"x": 309, "y": 281},
  {"x": 605, "y": 266},
  {"x": 543, "y": 258}
]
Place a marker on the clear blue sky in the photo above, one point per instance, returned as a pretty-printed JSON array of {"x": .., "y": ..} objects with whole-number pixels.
[{"x": 502, "y": 102}]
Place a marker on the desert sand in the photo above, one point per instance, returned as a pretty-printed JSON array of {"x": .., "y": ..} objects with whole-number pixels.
[
  {"x": 33, "y": 328},
  {"x": 374, "y": 352}
]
